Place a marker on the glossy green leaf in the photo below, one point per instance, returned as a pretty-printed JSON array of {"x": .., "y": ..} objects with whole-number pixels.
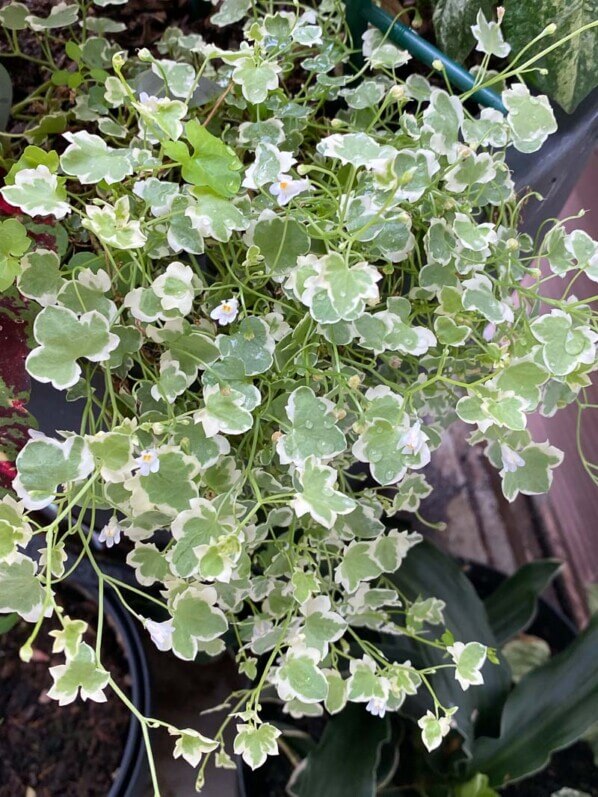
[
  {"x": 549, "y": 709},
  {"x": 211, "y": 164},
  {"x": 281, "y": 242},
  {"x": 345, "y": 760}
]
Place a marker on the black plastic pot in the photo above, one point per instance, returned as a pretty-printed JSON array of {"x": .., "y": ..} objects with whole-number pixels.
[
  {"x": 554, "y": 171},
  {"x": 133, "y": 769},
  {"x": 132, "y": 772},
  {"x": 550, "y": 623}
]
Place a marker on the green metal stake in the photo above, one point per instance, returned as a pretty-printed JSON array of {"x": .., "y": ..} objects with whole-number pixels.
[{"x": 360, "y": 12}]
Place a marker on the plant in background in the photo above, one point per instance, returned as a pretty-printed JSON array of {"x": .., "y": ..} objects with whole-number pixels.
[
  {"x": 507, "y": 733},
  {"x": 273, "y": 283},
  {"x": 567, "y": 75}
]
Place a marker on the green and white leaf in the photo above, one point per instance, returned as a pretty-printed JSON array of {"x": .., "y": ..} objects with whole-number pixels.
[
  {"x": 564, "y": 347},
  {"x": 469, "y": 659},
  {"x": 149, "y": 563},
  {"x": 64, "y": 338},
  {"x": 38, "y": 192},
  {"x": 91, "y": 160},
  {"x": 224, "y": 412},
  {"x": 81, "y": 676},
  {"x": 20, "y": 588},
  {"x": 570, "y": 70},
  {"x": 317, "y": 495},
  {"x": 214, "y": 217},
  {"x": 40, "y": 278},
  {"x": 489, "y": 38},
  {"x": 114, "y": 226},
  {"x": 192, "y": 745},
  {"x": 45, "y": 463},
  {"x": 254, "y": 743},
  {"x": 530, "y": 118},
  {"x": 300, "y": 677},
  {"x": 195, "y": 619},
  {"x": 62, "y": 15},
  {"x": 358, "y": 565},
  {"x": 313, "y": 429}
]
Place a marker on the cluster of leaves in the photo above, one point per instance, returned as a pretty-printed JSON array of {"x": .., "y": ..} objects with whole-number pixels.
[
  {"x": 272, "y": 305},
  {"x": 552, "y": 704}
]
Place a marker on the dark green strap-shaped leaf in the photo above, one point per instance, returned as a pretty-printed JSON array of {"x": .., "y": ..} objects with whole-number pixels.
[
  {"x": 513, "y": 605},
  {"x": 345, "y": 761},
  {"x": 427, "y": 572},
  {"x": 8, "y": 621},
  {"x": 549, "y": 709},
  {"x": 5, "y": 97}
]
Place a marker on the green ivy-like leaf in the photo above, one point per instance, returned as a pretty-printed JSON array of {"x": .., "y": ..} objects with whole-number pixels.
[
  {"x": 212, "y": 163},
  {"x": 313, "y": 431},
  {"x": 63, "y": 338}
]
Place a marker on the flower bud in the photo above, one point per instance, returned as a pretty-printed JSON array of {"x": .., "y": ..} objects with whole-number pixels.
[
  {"x": 354, "y": 381},
  {"x": 26, "y": 652},
  {"x": 118, "y": 59},
  {"x": 397, "y": 93}
]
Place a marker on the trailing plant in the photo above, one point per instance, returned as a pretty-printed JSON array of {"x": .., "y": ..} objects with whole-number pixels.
[
  {"x": 550, "y": 706},
  {"x": 273, "y": 282}
]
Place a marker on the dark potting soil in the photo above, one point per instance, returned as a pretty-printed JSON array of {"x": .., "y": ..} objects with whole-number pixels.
[
  {"x": 573, "y": 767},
  {"x": 146, "y": 21},
  {"x": 58, "y": 751}
]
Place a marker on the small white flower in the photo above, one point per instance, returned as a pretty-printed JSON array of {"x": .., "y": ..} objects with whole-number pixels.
[
  {"x": 148, "y": 462},
  {"x": 377, "y": 707},
  {"x": 148, "y": 101},
  {"x": 226, "y": 312},
  {"x": 286, "y": 188},
  {"x": 110, "y": 534},
  {"x": 161, "y": 633},
  {"x": 511, "y": 460},
  {"x": 413, "y": 440}
]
